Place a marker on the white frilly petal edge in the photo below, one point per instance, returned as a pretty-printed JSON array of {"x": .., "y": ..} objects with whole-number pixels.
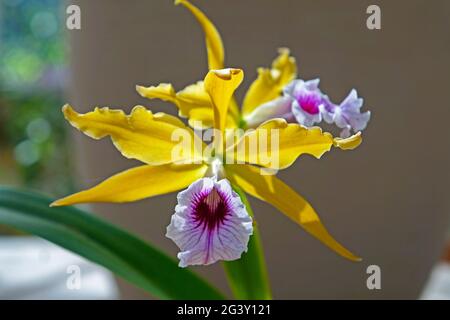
[{"x": 348, "y": 114}]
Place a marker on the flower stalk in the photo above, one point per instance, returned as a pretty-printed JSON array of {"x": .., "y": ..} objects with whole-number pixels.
[{"x": 248, "y": 277}]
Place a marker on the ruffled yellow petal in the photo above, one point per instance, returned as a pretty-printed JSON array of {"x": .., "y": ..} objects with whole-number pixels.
[
  {"x": 163, "y": 91},
  {"x": 192, "y": 97},
  {"x": 193, "y": 102},
  {"x": 220, "y": 85},
  {"x": 214, "y": 44},
  {"x": 151, "y": 138},
  {"x": 276, "y": 144},
  {"x": 272, "y": 190},
  {"x": 270, "y": 82},
  {"x": 138, "y": 183}
]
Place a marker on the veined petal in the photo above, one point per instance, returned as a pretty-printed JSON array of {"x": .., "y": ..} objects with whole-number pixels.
[
  {"x": 138, "y": 183},
  {"x": 193, "y": 102},
  {"x": 270, "y": 82},
  {"x": 214, "y": 44},
  {"x": 277, "y": 144},
  {"x": 272, "y": 190},
  {"x": 142, "y": 135},
  {"x": 220, "y": 85},
  {"x": 210, "y": 223}
]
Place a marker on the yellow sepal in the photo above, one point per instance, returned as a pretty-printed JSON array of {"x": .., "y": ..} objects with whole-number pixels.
[
  {"x": 270, "y": 82},
  {"x": 138, "y": 183},
  {"x": 214, "y": 45},
  {"x": 141, "y": 135},
  {"x": 274, "y": 191}
]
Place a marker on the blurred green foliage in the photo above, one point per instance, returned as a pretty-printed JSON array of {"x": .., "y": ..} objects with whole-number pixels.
[{"x": 33, "y": 75}]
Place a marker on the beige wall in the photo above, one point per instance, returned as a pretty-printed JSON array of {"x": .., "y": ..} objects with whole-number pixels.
[{"x": 387, "y": 201}]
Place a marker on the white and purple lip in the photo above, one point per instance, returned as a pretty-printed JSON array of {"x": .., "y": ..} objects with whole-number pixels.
[{"x": 210, "y": 223}]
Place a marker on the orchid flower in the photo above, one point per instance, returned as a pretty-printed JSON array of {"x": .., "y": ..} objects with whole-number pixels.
[
  {"x": 210, "y": 222},
  {"x": 276, "y": 93},
  {"x": 303, "y": 102}
]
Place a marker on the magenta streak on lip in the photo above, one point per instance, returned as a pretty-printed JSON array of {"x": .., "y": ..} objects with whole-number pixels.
[
  {"x": 309, "y": 102},
  {"x": 210, "y": 210}
]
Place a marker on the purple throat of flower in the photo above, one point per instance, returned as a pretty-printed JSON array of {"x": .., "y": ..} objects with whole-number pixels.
[
  {"x": 210, "y": 209},
  {"x": 210, "y": 223},
  {"x": 310, "y": 102}
]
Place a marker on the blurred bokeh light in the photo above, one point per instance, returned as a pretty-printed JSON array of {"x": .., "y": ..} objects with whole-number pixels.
[{"x": 33, "y": 75}]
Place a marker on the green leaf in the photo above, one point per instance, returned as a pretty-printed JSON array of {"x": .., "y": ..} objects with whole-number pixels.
[
  {"x": 247, "y": 277},
  {"x": 103, "y": 243}
]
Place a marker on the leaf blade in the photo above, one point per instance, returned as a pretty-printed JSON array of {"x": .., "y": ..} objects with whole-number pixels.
[{"x": 103, "y": 243}]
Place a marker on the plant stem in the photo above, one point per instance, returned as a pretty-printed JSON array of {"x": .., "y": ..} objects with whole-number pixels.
[{"x": 248, "y": 276}]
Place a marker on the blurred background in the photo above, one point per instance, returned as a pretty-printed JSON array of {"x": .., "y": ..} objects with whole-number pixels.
[
  {"x": 34, "y": 72},
  {"x": 387, "y": 201}
]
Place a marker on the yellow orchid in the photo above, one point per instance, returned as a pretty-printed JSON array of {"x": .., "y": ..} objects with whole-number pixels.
[
  {"x": 210, "y": 221},
  {"x": 147, "y": 137}
]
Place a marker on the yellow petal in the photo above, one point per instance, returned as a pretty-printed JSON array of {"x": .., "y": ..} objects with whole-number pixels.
[
  {"x": 234, "y": 110},
  {"x": 193, "y": 102},
  {"x": 138, "y": 183},
  {"x": 163, "y": 91},
  {"x": 151, "y": 138},
  {"x": 214, "y": 44},
  {"x": 203, "y": 118},
  {"x": 193, "y": 96},
  {"x": 276, "y": 144},
  {"x": 220, "y": 85},
  {"x": 196, "y": 96},
  {"x": 349, "y": 143},
  {"x": 270, "y": 82},
  {"x": 272, "y": 190}
]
